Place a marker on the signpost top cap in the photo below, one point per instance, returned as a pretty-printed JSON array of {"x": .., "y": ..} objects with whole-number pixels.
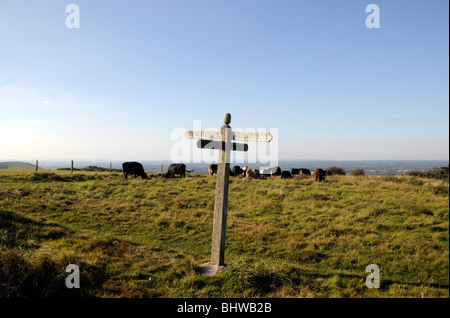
[{"x": 227, "y": 119}]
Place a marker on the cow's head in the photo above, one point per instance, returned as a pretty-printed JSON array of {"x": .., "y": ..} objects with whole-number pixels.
[{"x": 244, "y": 168}]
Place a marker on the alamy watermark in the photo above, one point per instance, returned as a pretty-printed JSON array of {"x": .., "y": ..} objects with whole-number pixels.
[
  {"x": 373, "y": 19},
  {"x": 373, "y": 280},
  {"x": 73, "y": 280},
  {"x": 73, "y": 19}
]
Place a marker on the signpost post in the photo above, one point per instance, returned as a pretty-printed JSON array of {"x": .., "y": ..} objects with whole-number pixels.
[{"x": 225, "y": 145}]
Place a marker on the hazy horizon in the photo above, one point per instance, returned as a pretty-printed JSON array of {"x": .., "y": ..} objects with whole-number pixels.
[
  {"x": 371, "y": 167},
  {"x": 157, "y": 160}
]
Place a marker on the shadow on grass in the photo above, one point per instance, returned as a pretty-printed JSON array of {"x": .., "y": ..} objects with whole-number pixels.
[
  {"x": 384, "y": 283},
  {"x": 39, "y": 275}
]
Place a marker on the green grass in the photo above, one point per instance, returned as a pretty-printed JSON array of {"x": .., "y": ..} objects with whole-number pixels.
[{"x": 285, "y": 238}]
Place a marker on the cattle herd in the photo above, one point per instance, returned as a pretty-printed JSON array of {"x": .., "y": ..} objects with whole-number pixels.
[{"x": 136, "y": 169}]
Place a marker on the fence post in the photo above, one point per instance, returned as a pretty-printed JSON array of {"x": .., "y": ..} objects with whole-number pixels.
[
  {"x": 37, "y": 165},
  {"x": 71, "y": 166}
]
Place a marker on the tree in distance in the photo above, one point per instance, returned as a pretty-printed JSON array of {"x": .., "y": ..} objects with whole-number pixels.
[{"x": 358, "y": 172}]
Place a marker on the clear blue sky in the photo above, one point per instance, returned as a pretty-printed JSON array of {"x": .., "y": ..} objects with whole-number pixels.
[{"x": 135, "y": 70}]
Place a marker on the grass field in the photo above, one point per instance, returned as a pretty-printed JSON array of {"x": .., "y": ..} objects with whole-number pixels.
[{"x": 285, "y": 238}]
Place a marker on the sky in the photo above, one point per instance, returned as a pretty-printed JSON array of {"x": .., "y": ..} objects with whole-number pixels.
[{"x": 136, "y": 74}]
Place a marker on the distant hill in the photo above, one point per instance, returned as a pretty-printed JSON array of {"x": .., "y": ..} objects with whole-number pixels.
[{"x": 17, "y": 165}]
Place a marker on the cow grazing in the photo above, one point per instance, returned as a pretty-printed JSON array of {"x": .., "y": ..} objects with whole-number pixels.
[
  {"x": 268, "y": 172},
  {"x": 286, "y": 174},
  {"x": 277, "y": 172},
  {"x": 133, "y": 168},
  {"x": 213, "y": 169},
  {"x": 320, "y": 174},
  {"x": 301, "y": 171},
  {"x": 304, "y": 171},
  {"x": 251, "y": 173},
  {"x": 237, "y": 171},
  {"x": 177, "y": 168}
]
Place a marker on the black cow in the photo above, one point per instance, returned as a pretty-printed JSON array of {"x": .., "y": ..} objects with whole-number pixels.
[
  {"x": 237, "y": 171},
  {"x": 301, "y": 171},
  {"x": 304, "y": 171},
  {"x": 277, "y": 172},
  {"x": 177, "y": 168},
  {"x": 133, "y": 168},
  {"x": 213, "y": 169},
  {"x": 286, "y": 174}
]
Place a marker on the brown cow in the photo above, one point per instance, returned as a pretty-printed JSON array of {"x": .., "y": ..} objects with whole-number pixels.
[
  {"x": 213, "y": 169},
  {"x": 251, "y": 173},
  {"x": 320, "y": 174}
]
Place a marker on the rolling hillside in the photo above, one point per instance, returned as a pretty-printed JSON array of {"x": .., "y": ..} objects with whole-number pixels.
[
  {"x": 285, "y": 238},
  {"x": 17, "y": 165}
]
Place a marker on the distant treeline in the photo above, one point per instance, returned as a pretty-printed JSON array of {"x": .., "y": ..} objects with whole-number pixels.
[
  {"x": 92, "y": 168},
  {"x": 435, "y": 173}
]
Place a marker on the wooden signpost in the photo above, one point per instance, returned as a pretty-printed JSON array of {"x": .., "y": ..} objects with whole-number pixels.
[{"x": 225, "y": 145}]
